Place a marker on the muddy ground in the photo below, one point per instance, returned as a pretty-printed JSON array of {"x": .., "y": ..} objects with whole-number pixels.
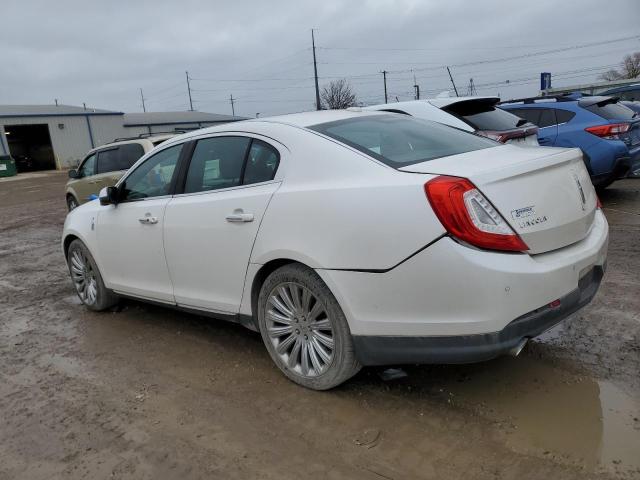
[{"x": 150, "y": 393}]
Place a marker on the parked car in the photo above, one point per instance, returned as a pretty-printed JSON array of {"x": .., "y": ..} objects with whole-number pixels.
[
  {"x": 628, "y": 92},
  {"x": 349, "y": 238},
  {"x": 607, "y": 132},
  {"x": 103, "y": 166},
  {"x": 474, "y": 114},
  {"x": 635, "y": 106}
]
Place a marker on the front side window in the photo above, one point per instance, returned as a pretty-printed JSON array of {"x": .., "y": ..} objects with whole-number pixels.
[
  {"x": 152, "y": 178},
  {"x": 399, "y": 141},
  {"x": 216, "y": 163},
  {"x": 88, "y": 167}
]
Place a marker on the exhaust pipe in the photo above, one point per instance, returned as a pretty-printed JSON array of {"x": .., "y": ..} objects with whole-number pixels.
[{"x": 515, "y": 351}]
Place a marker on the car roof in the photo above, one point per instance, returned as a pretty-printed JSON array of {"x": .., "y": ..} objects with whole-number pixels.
[
  {"x": 439, "y": 102},
  {"x": 138, "y": 140},
  {"x": 302, "y": 120},
  {"x": 624, "y": 88}
]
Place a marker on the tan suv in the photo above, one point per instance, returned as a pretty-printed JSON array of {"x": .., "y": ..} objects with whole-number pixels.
[{"x": 103, "y": 166}]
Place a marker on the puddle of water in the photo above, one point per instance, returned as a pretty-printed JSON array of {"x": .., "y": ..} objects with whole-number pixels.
[{"x": 545, "y": 411}]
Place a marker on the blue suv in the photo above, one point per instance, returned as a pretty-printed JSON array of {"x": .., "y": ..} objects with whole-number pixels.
[{"x": 607, "y": 132}]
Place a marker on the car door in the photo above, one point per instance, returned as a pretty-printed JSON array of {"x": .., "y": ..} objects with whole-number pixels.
[
  {"x": 210, "y": 228},
  {"x": 130, "y": 239}
]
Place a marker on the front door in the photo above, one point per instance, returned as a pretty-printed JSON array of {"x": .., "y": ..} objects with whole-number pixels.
[
  {"x": 130, "y": 237},
  {"x": 210, "y": 228}
]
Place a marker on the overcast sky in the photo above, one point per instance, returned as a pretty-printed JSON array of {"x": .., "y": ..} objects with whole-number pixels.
[{"x": 103, "y": 52}]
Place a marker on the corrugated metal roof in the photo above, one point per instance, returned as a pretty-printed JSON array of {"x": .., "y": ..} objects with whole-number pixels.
[
  {"x": 50, "y": 111},
  {"x": 176, "y": 118}
]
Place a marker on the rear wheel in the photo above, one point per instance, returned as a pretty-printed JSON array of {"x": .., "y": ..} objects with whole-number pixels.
[
  {"x": 304, "y": 329},
  {"x": 87, "y": 279},
  {"x": 71, "y": 202}
]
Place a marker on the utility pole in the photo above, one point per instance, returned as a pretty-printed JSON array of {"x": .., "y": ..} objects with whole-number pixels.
[
  {"x": 189, "y": 90},
  {"x": 384, "y": 77},
  {"x": 315, "y": 71},
  {"x": 233, "y": 110},
  {"x": 453, "y": 83},
  {"x": 416, "y": 87},
  {"x": 144, "y": 108}
]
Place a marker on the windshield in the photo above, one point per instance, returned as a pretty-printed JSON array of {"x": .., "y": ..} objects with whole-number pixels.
[{"x": 398, "y": 140}]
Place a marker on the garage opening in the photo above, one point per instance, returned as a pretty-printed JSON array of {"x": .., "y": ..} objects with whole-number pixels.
[{"x": 30, "y": 147}]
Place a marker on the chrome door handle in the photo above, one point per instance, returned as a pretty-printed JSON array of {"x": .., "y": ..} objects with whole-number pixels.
[
  {"x": 240, "y": 217},
  {"x": 148, "y": 220}
]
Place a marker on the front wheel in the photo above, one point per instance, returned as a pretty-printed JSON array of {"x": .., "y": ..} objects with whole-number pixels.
[
  {"x": 72, "y": 203},
  {"x": 304, "y": 329},
  {"x": 87, "y": 279}
]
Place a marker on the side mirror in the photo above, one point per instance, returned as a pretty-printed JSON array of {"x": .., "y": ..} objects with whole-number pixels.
[
  {"x": 73, "y": 173},
  {"x": 108, "y": 196}
]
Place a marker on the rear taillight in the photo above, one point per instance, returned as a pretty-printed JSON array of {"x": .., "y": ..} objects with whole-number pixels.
[
  {"x": 469, "y": 216},
  {"x": 610, "y": 132},
  {"x": 505, "y": 136}
]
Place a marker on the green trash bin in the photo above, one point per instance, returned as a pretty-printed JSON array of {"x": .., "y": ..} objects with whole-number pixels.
[{"x": 7, "y": 166}]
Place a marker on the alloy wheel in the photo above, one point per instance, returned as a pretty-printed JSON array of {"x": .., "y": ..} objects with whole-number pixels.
[
  {"x": 300, "y": 329},
  {"x": 84, "y": 278}
]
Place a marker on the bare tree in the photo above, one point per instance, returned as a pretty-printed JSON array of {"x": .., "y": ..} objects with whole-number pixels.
[
  {"x": 629, "y": 68},
  {"x": 338, "y": 95}
]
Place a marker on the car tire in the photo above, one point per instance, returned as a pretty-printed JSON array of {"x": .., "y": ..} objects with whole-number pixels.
[
  {"x": 304, "y": 329},
  {"x": 87, "y": 279},
  {"x": 72, "y": 202}
]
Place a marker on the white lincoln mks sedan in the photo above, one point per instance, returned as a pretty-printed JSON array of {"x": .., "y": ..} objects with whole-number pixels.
[{"x": 349, "y": 238}]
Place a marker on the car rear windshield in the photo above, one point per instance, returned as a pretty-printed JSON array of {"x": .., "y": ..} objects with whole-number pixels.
[
  {"x": 398, "y": 140},
  {"x": 484, "y": 115},
  {"x": 611, "y": 110}
]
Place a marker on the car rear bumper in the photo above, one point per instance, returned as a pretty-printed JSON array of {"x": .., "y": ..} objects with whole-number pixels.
[
  {"x": 390, "y": 350},
  {"x": 450, "y": 290},
  {"x": 621, "y": 168}
]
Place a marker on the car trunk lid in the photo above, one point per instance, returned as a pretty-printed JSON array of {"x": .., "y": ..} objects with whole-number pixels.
[{"x": 545, "y": 194}]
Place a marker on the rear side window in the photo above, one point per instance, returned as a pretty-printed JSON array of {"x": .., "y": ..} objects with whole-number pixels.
[
  {"x": 484, "y": 115},
  {"x": 130, "y": 153},
  {"x": 216, "y": 163},
  {"x": 611, "y": 111},
  {"x": 547, "y": 118},
  {"x": 108, "y": 160},
  {"x": 564, "y": 116},
  {"x": 399, "y": 141},
  {"x": 120, "y": 158},
  {"x": 262, "y": 163},
  {"x": 531, "y": 115}
]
